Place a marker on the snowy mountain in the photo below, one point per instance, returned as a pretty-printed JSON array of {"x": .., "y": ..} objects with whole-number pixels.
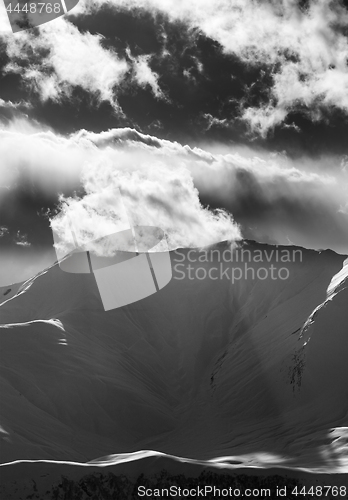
[{"x": 228, "y": 363}]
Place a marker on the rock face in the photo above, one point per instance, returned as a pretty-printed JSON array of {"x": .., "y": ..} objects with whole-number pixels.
[{"x": 232, "y": 360}]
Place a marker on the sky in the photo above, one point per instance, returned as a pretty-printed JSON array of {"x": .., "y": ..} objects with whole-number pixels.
[{"x": 212, "y": 119}]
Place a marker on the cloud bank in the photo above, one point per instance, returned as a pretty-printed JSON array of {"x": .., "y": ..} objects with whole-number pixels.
[
  {"x": 169, "y": 185},
  {"x": 154, "y": 191}
]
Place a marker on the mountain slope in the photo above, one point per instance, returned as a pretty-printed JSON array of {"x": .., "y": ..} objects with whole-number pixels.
[{"x": 254, "y": 370}]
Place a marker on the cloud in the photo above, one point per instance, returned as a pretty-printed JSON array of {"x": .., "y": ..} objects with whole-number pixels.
[
  {"x": 213, "y": 121},
  {"x": 156, "y": 190},
  {"x": 271, "y": 196},
  {"x": 3, "y": 231},
  {"x": 59, "y": 58},
  {"x": 13, "y": 105},
  {"x": 152, "y": 194},
  {"x": 278, "y": 199},
  {"x": 143, "y": 74},
  {"x": 344, "y": 164},
  {"x": 166, "y": 184},
  {"x": 305, "y": 50},
  {"x": 264, "y": 118},
  {"x": 22, "y": 239},
  {"x": 343, "y": 209},
  {"x": 33, "y": 157}
]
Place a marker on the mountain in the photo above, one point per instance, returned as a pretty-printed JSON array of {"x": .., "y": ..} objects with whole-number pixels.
[{"x": 248, "y": 372}]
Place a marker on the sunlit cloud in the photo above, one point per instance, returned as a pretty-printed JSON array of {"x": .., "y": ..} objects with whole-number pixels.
[
  {"x": 305, "y": 49},
  {"x": 49, "y": 67},
  {"x": 156, "y": 189},
  {"x": 143, "y": 74},
  {"x": 60, "y": 58},
  {"x": 164, "y": 183}
]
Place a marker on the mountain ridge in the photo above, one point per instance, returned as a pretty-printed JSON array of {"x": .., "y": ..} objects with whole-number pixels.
[{"x": 202, "y": 369}]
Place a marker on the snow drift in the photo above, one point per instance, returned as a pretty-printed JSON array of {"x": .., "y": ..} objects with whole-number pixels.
[{"x": 248, "y": 373}]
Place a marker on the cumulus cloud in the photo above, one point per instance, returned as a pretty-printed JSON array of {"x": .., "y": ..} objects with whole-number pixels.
[
  {"x": 152, "y": 194},
  {"x": 305, "y": 49},
  {"x": 166, "y": 184},
  {"x": 273, "y": 197},
  {"x": 155, "y": 190},
  {"x": 59, "y": 58}
]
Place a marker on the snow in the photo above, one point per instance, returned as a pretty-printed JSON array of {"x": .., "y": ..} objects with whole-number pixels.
[{"x": 203, "y": 371}]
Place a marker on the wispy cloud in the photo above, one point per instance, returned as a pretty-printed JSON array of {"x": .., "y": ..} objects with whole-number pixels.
[
  {"x": 59, "y": 58},
  {"x": 344, "y": 209},
  {"x": 304, "y": 51},
  {"x": 13, "y": 105},
  {"x": 144, "y": 75},
  {"x": 21, "y": 239},
  {"x": 3, "y": 231}
]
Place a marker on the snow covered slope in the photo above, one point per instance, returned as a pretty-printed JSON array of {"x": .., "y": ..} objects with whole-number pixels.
[{"x": 252, "y": 372}]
